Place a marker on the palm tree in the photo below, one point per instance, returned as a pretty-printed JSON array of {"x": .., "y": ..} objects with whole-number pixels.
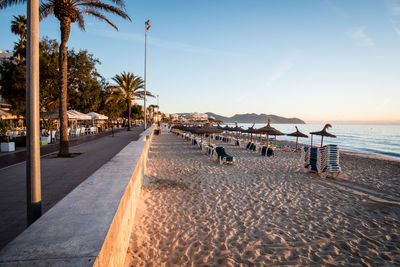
[
  {"x": 67, "y": 12},
  {"x": 128, "y": 87},
  {"x": 18, "y": 27},
  {"x": 151, "y": 109}
]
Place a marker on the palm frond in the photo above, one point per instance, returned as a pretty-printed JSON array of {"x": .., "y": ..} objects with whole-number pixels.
[
  {"x": 45, "y": 10},
  {"x": 81, "y": 20},
  {"x": 97, "y": 6},
  {"x": 119, "y": 3},
  {"x": 7, "y": 3},
  {"x": 100, "y": 17}
]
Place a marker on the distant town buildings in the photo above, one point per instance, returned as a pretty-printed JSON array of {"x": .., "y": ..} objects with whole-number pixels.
[
  {"x": 195, "y": 116},
  {"x": 174, "y": 117}
]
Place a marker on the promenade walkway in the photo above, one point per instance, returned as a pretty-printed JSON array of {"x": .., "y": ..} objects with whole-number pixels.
[{"x": 59, "y": 177}]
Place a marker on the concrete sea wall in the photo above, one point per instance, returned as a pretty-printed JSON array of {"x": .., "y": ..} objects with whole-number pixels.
[{"x": 92, "y": 225}]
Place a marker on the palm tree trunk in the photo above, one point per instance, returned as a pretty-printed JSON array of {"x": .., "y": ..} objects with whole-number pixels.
[
  {"x": 129, "y": 114},
  {"x": 65, "y": 27}
]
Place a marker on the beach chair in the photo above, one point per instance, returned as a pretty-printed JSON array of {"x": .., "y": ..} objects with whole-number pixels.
[
  {"x": 248, "y": 145},
  {"x": 223, "y": 157},
  {"x": 304, "y": 158},
  {"x": 322, "y": 160},
  {"x": 210, "y": 150},
  {"x": 329, "y": 161},
  {"x": 308, "y": 159},
  {"x": 267, "y": 151}
]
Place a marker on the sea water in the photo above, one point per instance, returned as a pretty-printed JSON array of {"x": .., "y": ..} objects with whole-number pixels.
[{"x": 381, "y": 140}]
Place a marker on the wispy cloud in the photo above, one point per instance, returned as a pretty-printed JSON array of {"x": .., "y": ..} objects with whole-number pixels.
[
  {"x": 396, "y": 26},
  {"x": 170, "y": 45},
  {"x": 360, "y": 38},
  {"x": 285, "y": 66},
  {"x": 382, "y": 105},
  {"x": 394, "y": 11},
  {"x": 339, "y": 12}
]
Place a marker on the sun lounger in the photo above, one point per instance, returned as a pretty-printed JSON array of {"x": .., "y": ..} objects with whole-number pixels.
[
  {"x": 253, "y": 147},
  {"x": 322, "y": 160},
  {"x": 267, "y": 151},
  {"x": 223, "y": 157},
  {"x": 248, "y": 145},
  {"x": 210, "y": 150},
  {"x": 329, "y": 163}
]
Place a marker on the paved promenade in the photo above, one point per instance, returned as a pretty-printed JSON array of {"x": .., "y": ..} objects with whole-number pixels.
[{"x": 59, "y": 177}]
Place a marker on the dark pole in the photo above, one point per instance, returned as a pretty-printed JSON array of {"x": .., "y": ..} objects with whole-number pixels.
[
  {"x": 146, "y": 28},
  {"x": 33, "y": 186}
]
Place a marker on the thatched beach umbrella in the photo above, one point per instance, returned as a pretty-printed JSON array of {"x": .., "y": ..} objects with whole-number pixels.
[
  {"x": 269, "y": 130},
  {"x": 219, "y": 127},
  {"x": 323, "y": 133},
  {"x": 237, "y": 129},
  {"x": 227, "y": 128},
  {"x": 251, "y": 131},
  {"x": 208, "y": 129},
  {"x": 297, "y": 134}
]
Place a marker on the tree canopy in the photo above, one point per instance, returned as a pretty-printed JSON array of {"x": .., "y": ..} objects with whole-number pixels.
[{"x": 87, "y": 89}]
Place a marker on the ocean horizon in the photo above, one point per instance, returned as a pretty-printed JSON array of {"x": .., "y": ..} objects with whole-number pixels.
[{"x": 374, "y": 139}]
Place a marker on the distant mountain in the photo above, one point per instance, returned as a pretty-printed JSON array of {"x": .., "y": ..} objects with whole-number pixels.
[{"x": 257, "y": 118}]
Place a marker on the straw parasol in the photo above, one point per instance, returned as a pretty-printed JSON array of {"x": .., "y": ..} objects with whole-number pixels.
[
  {"x": 251, "y": 131},
  {"x": 208, "y": 129},
  {"x": 227, "y": 128},
  {"x": 237, "y": 129},
  {"x": 269, "y": 130},
  {"x": 220, "y": 127},
  {"x": 297, "y": 134},
  {"x": 323, "y": 133}
]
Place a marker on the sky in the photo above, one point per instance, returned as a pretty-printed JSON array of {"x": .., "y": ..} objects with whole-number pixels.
[{"x": 317, "y": 60}]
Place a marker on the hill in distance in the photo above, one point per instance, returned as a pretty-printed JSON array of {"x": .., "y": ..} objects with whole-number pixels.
[{"x": 255, "y": 118}]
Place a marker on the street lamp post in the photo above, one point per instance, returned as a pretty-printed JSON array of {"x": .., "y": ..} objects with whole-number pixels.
[
  {"x": 146, "y": 28},
  {"x": 158, "y": 110},
  {"x": 33, "y": 184}
]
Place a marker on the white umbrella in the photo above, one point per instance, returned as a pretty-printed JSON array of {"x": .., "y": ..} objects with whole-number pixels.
[
  {"x": 73, "y": 114},
  {"x": 4, "y": 115},
  {"x": 97, "y": 116}
]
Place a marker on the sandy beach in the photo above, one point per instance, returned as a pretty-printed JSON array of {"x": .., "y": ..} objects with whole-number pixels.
[{"x": 263, "y": 211}]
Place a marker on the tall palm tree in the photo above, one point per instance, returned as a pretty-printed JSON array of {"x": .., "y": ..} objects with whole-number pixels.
[
  {"x": 128, "y": 87},
  {"x": 67, "y": 12},
  {"x": 18, "y": 27},
  {"x": 152, "y": 109}
]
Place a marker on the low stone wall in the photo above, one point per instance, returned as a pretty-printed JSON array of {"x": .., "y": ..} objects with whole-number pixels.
[{"x": 92, "y": 225}]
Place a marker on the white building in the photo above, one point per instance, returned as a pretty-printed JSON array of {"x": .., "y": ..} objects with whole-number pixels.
[
  {"x": 5, "y": 55},
  {"x": 174, "y": 117},
  {"x": 203, "y": 116},
  {"x": 195, "y": 116},
  {"x": 199, "y": 116}
]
